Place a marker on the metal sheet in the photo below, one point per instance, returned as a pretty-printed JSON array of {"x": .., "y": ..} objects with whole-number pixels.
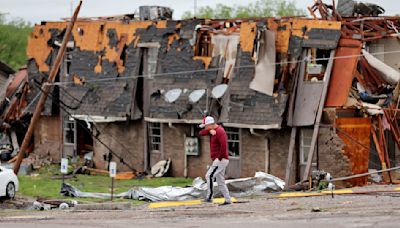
[
  {"x": 342, "y": 74},
  {"x": 355, "y": 133},
  {"x": 307, "y": 101}
]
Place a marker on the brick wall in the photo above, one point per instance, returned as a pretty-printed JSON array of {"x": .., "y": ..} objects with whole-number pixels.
[
  {"x": 252, "y": 152},
  {"x": 126, "y": 139},
  {"x": 279, "y": 147},
  {"x": 331, "y": 157},
  {"x": 173, "y": 147},
  {"x": 198, "y": 164},
  {"x": 47, "y": 137},
  {"x": 253, "y": 155}
]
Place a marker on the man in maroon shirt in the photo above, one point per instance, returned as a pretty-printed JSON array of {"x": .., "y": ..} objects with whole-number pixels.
[{"x": 219, "y": 156}]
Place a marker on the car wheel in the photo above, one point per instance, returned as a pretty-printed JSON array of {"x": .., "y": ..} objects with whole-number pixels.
[{"x": 10, "y": 190}]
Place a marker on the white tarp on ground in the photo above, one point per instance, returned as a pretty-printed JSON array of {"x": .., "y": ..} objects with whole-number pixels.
[
  {"x": 264, "y": 78},
  {"x": 261, "y": 182},
  {"x": 390, "y": 75}
]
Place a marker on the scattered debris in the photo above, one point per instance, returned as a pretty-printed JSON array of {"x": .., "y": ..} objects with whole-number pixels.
[
  {"x": 261, "y": 182},
  {"x": 316, "y": 209},
  {"x": 160, "y": 168},
  {"x": 45, "y": 205}
]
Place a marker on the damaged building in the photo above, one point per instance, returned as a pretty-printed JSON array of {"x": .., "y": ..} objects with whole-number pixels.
[{"x": 294, "y": 94}]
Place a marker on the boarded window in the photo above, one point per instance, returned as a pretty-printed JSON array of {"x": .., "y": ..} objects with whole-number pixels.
[
  {"x": 233, "y": 141},
  {"x": 69, "y": 132},
  {"x": 155, "y": 137}
]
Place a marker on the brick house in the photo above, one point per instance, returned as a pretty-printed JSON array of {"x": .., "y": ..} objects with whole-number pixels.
[{"x": 111, "y": 94}]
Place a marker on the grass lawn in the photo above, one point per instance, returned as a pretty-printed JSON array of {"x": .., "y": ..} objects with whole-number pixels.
[{"x": 44, "y": 185}]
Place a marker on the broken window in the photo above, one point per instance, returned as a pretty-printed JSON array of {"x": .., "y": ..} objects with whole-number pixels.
[
  {"x": 69, "y": 132},
  {"x": 317, "y": 63},
  {"x": 305, "y": 145},
  {"x": 203, "y": 45},
  {"x": 155, "y": 137},
  {"x": 233, "y": 141}
]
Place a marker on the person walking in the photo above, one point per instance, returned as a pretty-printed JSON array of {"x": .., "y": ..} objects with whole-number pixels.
[{"x": 219, "y": 156}]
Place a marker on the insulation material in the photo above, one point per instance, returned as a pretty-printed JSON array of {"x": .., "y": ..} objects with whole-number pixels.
[
  {"x": 248, "y": 32},
  {"x": 372, "y": 109},
  {"x": 264, "y": 78},
  {"x": 226, "y": 46},
  {"x": 388, "y": 73},
  {"x": 282, "y": 30},
  {"x": 38, "y": 47}
]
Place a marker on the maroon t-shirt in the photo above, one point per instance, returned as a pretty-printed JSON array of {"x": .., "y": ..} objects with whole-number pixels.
[{"x": 218, "y": 143}]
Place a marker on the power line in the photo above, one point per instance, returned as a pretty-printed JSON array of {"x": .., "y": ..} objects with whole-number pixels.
[
  {"x": 217, "y": 69},
  {"x": 96, "y": 136},
  {"x": 93, "y": 122}
]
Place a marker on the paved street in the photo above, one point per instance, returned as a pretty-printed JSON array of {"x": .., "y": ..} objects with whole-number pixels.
[{"x": 342, "y": 211}]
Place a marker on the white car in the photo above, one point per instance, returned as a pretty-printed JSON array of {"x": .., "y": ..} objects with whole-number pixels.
[{"x": 8, "y": 183}]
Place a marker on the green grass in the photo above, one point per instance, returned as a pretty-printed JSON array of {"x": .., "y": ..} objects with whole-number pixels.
[{"x": 45, "y": 186}]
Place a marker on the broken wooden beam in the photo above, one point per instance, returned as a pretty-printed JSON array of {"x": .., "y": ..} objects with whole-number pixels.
[{"x": 45, "y": 91}]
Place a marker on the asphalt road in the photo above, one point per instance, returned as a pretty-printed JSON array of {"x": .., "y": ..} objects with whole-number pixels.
[{"x": 342, "y": 211}]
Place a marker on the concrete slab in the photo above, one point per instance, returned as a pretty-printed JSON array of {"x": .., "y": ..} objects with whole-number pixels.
[{"x": 103, "y": 206}]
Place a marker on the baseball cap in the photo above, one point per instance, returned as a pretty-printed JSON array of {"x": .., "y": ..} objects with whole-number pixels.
[{"x": 207, "y": 121}]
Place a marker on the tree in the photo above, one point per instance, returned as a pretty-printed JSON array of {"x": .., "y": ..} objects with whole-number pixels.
[
  {"x": 13, "y": 41},
  {"x": 260, "y": 8}
]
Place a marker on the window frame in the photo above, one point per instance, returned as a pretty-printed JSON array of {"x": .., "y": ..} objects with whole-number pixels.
[
  {"x": 65, "y": 130},
  {"x": 237, "y": 132},
  {"x": 151, "y": 136},
  {"x": 201, "y": 46},
  {"x": 302, "y": 146}
]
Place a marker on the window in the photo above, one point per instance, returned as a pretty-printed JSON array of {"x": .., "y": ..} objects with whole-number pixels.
[
  {"x": 305, "y": 144},
  {"x": 233, "y": 141},
  {"x": 69, "y": 132},
  {"x": 317, "y": 64},
  {"x": 155, "y": 137},
  {"x": 203, "y": 44}
]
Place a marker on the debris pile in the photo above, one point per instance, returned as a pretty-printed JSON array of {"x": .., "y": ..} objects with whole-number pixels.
[{"x": 261, "y": 182}]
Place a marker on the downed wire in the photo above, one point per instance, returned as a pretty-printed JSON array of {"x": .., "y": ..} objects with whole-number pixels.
[
  {"x": 96, "y": 136},
  {"x": 175, "y": 73},
  {"x": 365, "y": 174},
  {"x": 94, "y": 125}
]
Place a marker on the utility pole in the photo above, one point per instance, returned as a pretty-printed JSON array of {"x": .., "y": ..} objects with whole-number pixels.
[{"x": 45, "y": 91}]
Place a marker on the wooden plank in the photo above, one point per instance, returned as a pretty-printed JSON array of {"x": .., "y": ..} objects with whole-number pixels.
[
  {"x": 267, "y": 155},
  {"x": 289, "y": 164},
  {"x": 307, "y": 103},
  {"x": 300, "y": 71},
  {"x": 380, "y": 153}
]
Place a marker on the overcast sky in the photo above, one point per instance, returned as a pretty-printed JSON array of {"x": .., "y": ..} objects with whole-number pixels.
[{"x": 50, "y": 10}]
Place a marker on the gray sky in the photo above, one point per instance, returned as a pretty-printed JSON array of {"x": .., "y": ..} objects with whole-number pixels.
[{"x": 50, "y": 10}]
